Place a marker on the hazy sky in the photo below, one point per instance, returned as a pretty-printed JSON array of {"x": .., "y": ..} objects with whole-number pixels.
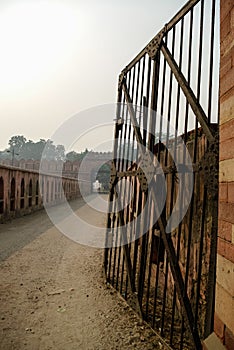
[{"x": 61, "y": 57}]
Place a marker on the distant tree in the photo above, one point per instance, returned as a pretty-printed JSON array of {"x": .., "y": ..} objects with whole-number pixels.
[
  {"x": 103, "y": 175},
  {"x": 29, "y": 149},
  {"x": 4, "y": 154},
  {"x": 60, "y": 152},
  {"x": 72, "y": 156},
  {"x": 84, "y": 153},
  {"x": 45, "y": 149},
  {"x": 17, "y": 143}
]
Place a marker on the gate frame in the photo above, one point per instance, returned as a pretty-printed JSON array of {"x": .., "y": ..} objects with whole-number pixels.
[{"x": 153, "y": 49}]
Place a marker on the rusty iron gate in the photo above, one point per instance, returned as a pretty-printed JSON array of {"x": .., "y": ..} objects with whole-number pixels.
[{"x": 167, "y": 117}]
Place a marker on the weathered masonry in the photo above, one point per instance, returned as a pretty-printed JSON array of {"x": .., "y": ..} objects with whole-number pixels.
[
  {"x": 20, "y": 191},
  {"x": 29, "y": 184},
  {"x": 161, "y": 258},
  {"x": 224, "y": 301}
]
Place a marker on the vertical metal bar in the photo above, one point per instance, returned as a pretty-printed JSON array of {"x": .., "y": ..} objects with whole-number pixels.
[
  {"x": 138, "y": 80},
  {"x": 159, "y": 155},
  {"x": 168, "y": 177},
  {"x": 170, "y": 97},
  {"x": 139, "y": 208},
  {"x": 204, "y": 213},
  {"x": 200, "y": 51},
  {"x": 111, "y": 193},
  {"x": 162, "y": 96},
  {"x": 186, "y": 127},
  {"x": 175, "y": 158},
  {"x": 144, "y": 196},
  {"x": 199, "y": 75},
  {"x": 120, "y": 167},
  {"x": 145, "y": 120},
  {"x": 151, "y": 138},
  {"x": 130, "y": 155},
  {"x": 125, "y": 167},
  {"x": 154, "y": 100},
  {"x": 164, "y": 298},
  {"x": 114, "y": 223},
  {"x": 142, "y": 90},
  {"x": 129, "y": 216},
  {"x": 211, "y": 60},
  {"x": 209, "y": 317},
  {"x": 189, "y": 72},
  {"x": 144, "y": 242}
]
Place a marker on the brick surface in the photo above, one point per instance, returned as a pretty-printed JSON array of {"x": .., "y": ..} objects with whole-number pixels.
[
  {"x": 229, "y": 339},
  {"x": 226, "y": 107},
  {"x": 212, "y": 343},
  {"x": 224, "y": 318},
  {"x": 226, "y": 64},
  {"x": 225, "y": 8},
  {"x": 225, "y": 230},
  {"x": 223, "y": 192},
  {"x": 231, "y": 192},
  {"x": 219, "y": 327},
  {"x": 226, "y": 44},
  {"x": 225, "y": 27},
  {"x": 226, "y": 149},
  {"x": 226, "y": 82},
  {"x": 226, "y": 249},
  {"x": 225, "y": 274},
  {"x": 226, "y": 170},
  {"x": 226, "y": 212},
  {"x": 227, "y": 131},
  {"x": 232, "y": 17},
  {"x": 224, "y": 306}
]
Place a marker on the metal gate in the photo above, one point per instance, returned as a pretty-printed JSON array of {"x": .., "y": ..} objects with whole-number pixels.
[{"x": 162, "y": 222}]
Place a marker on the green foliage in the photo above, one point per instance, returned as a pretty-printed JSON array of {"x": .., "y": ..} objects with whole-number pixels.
[
  {"x": 103, "y": 175},
  {"x": 74, "y": 156},
  {"x": 28, "y": 149}
]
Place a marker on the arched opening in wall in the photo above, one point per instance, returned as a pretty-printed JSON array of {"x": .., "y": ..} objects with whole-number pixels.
[
  {"x": 1, "y": 195},
  {"x": 68, "y": 190},
  {"x": 59, "y": 190},
  {"x": 30, "y": 193},
  {"x": 63, "y": 190},
  {"x": 37, "y": 192},
  {"x": 12, "y": 195},
  {"x": 42, "y": 190},
  {"x": 101, "y": 178},
  {"x": 52, "y": 191},
  {"x": 47, "y": 191},
  {"x": 22, "y": 190},
  {"x": 56, "y": 189}
]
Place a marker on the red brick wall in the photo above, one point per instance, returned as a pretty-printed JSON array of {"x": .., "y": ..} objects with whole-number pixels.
[
  {"x": 53, "y": 196},
  {"x": 224, "y": 317}
]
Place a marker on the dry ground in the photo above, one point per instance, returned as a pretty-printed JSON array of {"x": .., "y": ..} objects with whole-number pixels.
[{"x": 53, "y": 296}]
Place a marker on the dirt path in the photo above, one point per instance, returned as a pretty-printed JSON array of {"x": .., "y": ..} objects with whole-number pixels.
[{"x": 53, "y": 296}]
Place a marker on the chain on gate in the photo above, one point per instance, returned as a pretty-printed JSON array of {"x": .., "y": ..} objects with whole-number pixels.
[{"x": 166, "y": 151}]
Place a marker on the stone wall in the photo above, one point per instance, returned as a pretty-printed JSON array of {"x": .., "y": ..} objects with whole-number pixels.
[
  {"x": 92, "y": 161},
  {"x": 23, "y": 191}
]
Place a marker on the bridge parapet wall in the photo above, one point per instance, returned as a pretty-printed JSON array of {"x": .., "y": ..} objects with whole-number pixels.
[{"x": 23, "y": 191}]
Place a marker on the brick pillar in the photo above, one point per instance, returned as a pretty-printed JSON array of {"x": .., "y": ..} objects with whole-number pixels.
[{"x": 224, "y": 306}]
